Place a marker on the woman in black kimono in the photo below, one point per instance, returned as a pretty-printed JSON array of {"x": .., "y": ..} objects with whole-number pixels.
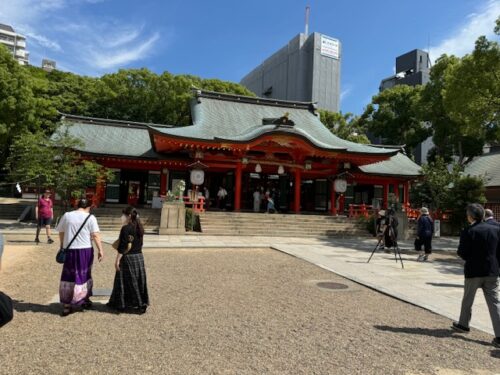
[{"x": 130, "y": 291}]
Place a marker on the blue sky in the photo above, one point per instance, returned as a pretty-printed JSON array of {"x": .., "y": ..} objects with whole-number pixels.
[{"x": 225, "y": 39}]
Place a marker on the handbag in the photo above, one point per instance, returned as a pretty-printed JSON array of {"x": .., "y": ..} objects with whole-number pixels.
[
  {"x": 61, "y": 254},
  {"x": 116, "y": 244}
]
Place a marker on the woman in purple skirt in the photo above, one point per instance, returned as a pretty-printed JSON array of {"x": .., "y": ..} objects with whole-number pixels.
[{"x": 75, "y": 288}]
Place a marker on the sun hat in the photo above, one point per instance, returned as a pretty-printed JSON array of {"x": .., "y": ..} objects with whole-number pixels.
[{"x": 424, "y": 211}]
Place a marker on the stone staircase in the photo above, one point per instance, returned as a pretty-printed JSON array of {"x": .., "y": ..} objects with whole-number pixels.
[
  {"x": 13, "y": 210},
  {"x": 278, "y": 225},
  {"x": 109, "y": 218}
]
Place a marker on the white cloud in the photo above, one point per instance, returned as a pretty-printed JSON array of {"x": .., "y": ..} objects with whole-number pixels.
[
  {"x": 345, "y": 92},
  {"x": 44, "y": 41},
  {"x": 462, "y": 40},
  {"x": 91, "y": 44},
  {"x": 104, "y": 58}
]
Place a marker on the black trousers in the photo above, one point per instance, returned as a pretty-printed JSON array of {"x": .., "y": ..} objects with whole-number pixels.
[{"x": 427, "y": 242}]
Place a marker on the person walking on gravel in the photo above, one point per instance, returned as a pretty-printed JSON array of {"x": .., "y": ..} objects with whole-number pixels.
[
  {"x": 75, "y": 288},
  {"x": 44, "y": 214},
  {"x": 480, "y": 248},
  {"x": 130, "y": 290},
  {"x": 425, "y": 229}
]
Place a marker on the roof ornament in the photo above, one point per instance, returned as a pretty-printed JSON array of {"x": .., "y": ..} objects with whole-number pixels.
[{"x": 283, "y": 121}]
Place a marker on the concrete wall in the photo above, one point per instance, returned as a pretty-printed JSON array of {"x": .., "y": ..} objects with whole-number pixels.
[{"x": 298, "y": 72}]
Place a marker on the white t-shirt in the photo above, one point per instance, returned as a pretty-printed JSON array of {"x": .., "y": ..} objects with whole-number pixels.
[{"x": 71, "y": 222}]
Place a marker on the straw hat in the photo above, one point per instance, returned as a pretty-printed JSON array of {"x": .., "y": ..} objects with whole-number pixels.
[{"x": 424, "y": 211}]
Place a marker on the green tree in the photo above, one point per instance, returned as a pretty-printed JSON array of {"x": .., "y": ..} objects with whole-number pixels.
[
  {"x": 143, "y": 96},
  {"x": 344, "y": 126},
  {"x": 56, "y": 164},
  {"x": 394, "y": 115},
  {"x": 17, "y": 103},
  {"x": 434, "y": 110},
  {"x": 445, "y": 188},
  {"x": 472, "y": 94}
]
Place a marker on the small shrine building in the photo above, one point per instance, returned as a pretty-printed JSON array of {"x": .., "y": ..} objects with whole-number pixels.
[{"x": 243, "y": 144}]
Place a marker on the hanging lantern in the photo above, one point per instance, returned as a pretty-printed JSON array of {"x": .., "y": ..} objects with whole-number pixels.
[
  {"x": 281, "y": 170},
  {"x": 258, "y": 168},
  {"x": 308, "y": 165},
  {"x": 340, "y": 185},
  {"x": 197, "y": 176}
]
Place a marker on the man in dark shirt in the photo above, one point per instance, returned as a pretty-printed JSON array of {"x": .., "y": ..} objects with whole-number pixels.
[
  {"x": 489, "y": 218},
  {"x": 480, "y": 248}
]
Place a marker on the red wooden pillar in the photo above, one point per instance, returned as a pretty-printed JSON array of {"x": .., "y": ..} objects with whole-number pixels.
[
  {"x": 341, "y": 203},
  {"x": 407, "y": 194},
  {"x": 297, "y": 184},
  {"x": 163, "y": 181},
  {"x": 237, "y": 187},
  {"x": 333, "y": 200},
  {"x": 385, "y": 195}
]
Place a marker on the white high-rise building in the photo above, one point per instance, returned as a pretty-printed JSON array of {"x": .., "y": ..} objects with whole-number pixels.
[{"x": 15, "y": 43}]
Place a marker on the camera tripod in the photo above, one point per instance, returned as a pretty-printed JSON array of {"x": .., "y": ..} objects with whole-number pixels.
[{"x": 380, "y": 245}]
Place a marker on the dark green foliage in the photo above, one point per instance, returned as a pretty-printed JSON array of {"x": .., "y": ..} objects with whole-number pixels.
[
  {"x": 446, "y": 189},
  {"x": 369, "y": 223},
  {"x": 192, "y": 221},
  {"x": 345, "y": 126}
]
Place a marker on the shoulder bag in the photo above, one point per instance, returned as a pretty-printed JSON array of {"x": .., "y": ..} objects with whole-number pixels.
[{"x": 61, "y": 254}]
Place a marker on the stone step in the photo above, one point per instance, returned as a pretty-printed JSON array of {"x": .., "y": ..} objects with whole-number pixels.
[{"x": 261, "y": 224}]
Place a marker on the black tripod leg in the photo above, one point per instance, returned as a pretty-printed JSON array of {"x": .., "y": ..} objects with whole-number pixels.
[
  {"x": 400, "y": 258},
  {"x": 375, "y": 249}
]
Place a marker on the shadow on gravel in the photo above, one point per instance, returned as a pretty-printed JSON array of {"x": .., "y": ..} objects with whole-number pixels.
[
  {"x": 446, "y": 285},
  {"x": 21, "y": 306},
  {"x": 495, "y": 353},
  {"x": 55, "y": 308},
  {"x": 440, "y": 333}
]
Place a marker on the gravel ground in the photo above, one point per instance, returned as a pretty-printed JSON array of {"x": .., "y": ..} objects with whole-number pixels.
[{"x": 227, "y": 311}]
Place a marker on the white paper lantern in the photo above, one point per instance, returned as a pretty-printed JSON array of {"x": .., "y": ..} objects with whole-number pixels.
[
  {"x": 197, "y": 176},
  {"x": 258, "y": 168},
  {"x": 340, "y": 185}
]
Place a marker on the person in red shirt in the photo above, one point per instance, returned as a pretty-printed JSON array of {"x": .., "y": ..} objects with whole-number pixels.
[{"x": 44, "y": 215}]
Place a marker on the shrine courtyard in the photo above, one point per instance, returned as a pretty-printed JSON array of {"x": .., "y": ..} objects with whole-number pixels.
[{"x": 232, "y": 309}]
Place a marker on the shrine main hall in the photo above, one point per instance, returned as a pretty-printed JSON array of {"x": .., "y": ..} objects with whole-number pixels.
[{"x": 242, "y": 144}]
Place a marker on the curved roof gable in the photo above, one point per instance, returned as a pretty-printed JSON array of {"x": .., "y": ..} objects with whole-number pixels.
[{"x": 239, "y": 119}]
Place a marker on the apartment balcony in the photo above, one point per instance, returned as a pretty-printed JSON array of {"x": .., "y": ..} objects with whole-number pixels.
[
  {"x": 21, "y": 43},
  {"x": 7, "y": 41},
  {"x": 20, "y": 53}
]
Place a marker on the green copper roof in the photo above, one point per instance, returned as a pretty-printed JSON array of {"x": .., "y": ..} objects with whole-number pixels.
[
  {"x": 487, "y": 166},
  {"x": 239, "y": 119},
  {"x": 397, "y": 165},
  {"x": 117, "y": 139}
]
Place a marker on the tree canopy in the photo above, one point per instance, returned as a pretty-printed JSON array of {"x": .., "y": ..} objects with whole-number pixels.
[{"x": 345, "y": 126}]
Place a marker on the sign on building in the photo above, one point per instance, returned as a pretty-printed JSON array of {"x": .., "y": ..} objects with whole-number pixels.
[{"x": 330, "y": 47}]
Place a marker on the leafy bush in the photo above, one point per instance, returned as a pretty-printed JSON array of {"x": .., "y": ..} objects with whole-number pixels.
[
  {"x": 192, "y": 221},
  {"x": 368, "y": 223}
]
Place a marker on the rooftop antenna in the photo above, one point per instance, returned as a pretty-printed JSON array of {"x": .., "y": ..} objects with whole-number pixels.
[{"x": 308, "y": 11}]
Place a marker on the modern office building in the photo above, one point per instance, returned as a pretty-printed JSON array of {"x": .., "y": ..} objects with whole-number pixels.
[
  {"x": 306, "y": 69},
  {"x": 15, "y": 43},
  {"x": 412, "y": 69}
]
